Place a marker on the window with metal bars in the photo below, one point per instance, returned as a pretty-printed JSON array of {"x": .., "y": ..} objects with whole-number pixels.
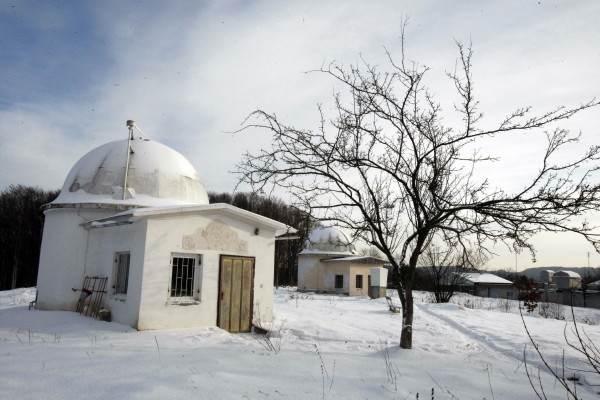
[
  {"x": 183, "y": 277},
  {"x": 121, "y": 277}
]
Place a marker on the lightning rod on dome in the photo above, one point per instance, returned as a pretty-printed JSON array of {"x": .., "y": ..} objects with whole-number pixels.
[{"x": 132, "y": 124}]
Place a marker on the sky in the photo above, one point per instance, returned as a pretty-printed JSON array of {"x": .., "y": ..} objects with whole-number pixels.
[{"x": 189, "y": 72}]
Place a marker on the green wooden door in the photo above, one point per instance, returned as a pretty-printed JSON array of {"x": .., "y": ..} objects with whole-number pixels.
[{"x": 235, "y": 293}]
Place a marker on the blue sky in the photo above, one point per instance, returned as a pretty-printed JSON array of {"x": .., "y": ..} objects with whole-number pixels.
[{"x": 189, "y": 72}]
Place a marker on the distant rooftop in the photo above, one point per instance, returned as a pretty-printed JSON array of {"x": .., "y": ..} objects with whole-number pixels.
[{"x": 474, "y": 278}]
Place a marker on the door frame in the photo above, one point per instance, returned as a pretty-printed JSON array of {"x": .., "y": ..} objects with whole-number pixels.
[{"x": 221, "y": 257}]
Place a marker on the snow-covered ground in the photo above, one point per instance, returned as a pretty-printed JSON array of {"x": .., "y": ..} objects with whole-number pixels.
[{"x": 330, "y": 347}]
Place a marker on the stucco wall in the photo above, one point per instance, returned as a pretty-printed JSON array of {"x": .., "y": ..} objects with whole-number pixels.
[
  {"x": 308, "y": 272},
  {"x": 164, "y": 237},
  {"x": 499, "y": 292},
  {"x": 365, "y": 271},
  {"x": 62, "y": 257}
]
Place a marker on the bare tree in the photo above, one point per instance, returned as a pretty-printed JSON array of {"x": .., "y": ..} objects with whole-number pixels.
[
  {"x": 443, "y": 270},
  {"x": 585, "y": 362},
  {"x": 370, "y": 251},
  {"x": 388, "y": 169}
]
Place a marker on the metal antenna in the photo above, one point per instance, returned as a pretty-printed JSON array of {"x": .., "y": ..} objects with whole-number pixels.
[
  {"x": 142, "y": 133},
  {"x": 130, "y": 125}
]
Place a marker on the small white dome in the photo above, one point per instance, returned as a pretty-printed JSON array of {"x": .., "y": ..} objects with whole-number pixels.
[
  {"x": 157, "y": 175},
  {"x": 328, "y": 239}
]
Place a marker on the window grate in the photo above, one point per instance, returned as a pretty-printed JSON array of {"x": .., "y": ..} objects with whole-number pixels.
[{"x": 182, "y": 278}]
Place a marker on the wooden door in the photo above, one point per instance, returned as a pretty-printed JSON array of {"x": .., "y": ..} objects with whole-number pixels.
[{"x": 236, "y": 285}]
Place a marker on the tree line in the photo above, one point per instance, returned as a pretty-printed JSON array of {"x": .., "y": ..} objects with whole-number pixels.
[
  {"x": 21, "y": 226},
  {"x": 22, "y": 223}
]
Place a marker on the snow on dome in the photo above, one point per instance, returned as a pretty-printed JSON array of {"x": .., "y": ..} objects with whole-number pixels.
[
  {"x": 157, "y": 176},
  {"x": 329, "y": 239}
]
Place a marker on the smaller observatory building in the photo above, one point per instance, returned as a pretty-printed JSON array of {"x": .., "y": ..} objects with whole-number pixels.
[
  {"x": 132, "y": 233},
  {"x": 329, "y": 263}
]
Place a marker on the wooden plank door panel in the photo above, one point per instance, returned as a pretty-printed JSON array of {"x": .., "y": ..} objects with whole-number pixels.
[
  {"x": 246, "y": 301},
  {"x": 236, "y": 294},
  {"x": 225, "y": 293}
]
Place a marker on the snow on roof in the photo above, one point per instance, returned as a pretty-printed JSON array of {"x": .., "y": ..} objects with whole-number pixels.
[
  {"x": 485, "y": 278},
  {"x": 155, "y": 172},
  {"x": 130, "y": 216},
  {"x": 570, "y": 274},
  {"x": 327, "y": 253},
  {"x": 82, "y": 198},
  {"x": 358, "y": 260}
]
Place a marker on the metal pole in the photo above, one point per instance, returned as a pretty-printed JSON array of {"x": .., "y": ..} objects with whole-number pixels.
[{"x": 130, "y": 125}]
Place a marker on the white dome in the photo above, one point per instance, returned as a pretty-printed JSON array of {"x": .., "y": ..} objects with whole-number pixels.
[
  {"x": 329, "y": 239},
  {"x": 157, "y": 176}
]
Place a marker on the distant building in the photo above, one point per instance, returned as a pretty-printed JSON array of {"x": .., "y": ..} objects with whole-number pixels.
[
  {"x": 330, "y": 264},
  {"x": 594, "y": 285},
  {"x": 489, "y": 285},
  {"x": 546, "y": 276},
  {"x": 567, "y": 280}
]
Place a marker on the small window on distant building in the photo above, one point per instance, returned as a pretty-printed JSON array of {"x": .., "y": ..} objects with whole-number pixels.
[
  {"x": 359, "y": 281},
  {"x": 509, "y": 295},
  {"x": 183, "y": 276},
  {"x": 339, "y": 281},
  {"x": 121, "y": 274}
]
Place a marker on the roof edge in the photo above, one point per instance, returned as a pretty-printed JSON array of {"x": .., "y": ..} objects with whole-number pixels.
[{"x": 129, "y": 214}]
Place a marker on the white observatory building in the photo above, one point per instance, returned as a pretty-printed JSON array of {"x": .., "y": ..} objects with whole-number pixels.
[
  {"x": 329, "y": 263},
  {"x": 132, "y": 233}
]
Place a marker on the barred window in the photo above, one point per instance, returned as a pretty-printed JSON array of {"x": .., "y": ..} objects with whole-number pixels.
[
  {"x": 183, "y": 276},
  {"x": 121, "y": 276}
]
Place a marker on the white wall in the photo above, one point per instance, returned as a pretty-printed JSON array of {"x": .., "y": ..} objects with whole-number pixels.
[
  {"x": 308, "y": 272},
  {"x": 62, "y": 257},
  {"x": 103, "y": 244},
  {"x": 365, "y": 271}
]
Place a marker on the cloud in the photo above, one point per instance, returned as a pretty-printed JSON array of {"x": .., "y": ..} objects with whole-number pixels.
[{"x": 190, "y": 72}]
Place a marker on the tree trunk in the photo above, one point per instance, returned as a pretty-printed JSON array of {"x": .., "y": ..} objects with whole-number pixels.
[
  {"x": 13, "y": 283},
  {"x": 407, "y": 279},
  {"x": 407, "y": 320},
  {"x": 15, "y": 268}
]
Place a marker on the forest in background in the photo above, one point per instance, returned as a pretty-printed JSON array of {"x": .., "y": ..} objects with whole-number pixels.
[{"x": 21, "y": 226}]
